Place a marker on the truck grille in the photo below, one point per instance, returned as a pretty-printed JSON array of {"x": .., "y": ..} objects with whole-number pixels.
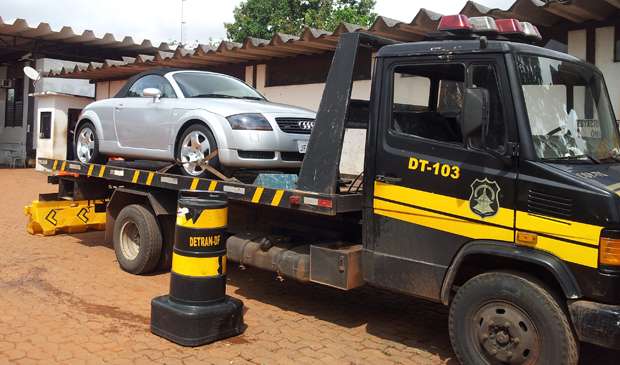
[
  {"x": 296, "y": 125},
  {"x": 549, "y": 204}
]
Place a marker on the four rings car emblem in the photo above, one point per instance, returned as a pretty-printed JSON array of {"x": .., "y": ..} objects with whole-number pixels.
[{"x": 305, "y": 124}]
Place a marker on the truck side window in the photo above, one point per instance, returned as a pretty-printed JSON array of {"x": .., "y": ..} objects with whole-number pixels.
[
  {"x": 484, "y": 76},
  {"x": 427, "y": 101}
]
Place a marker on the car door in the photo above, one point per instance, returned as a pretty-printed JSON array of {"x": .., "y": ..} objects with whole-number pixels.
[
  {"x": 144, "y": 123},
  {"x": 434, "y": 192}
]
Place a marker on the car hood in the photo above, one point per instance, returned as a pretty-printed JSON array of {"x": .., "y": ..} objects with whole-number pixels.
[{"x": 227, "y": 107}]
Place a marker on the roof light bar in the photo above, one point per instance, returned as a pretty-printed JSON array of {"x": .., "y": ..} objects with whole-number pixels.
[
  {"x": 483, "y": 24},
  {"x": 530, "y": 30},
  {"x": 509, "y": 26},
  {"x": 455, "y": 23}
]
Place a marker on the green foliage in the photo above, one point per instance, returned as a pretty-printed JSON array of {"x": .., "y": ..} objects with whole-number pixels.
[{"x": 263, "y": 18}]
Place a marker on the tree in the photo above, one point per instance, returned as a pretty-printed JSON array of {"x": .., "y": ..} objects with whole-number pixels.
[{"x": 263, "y": 18}]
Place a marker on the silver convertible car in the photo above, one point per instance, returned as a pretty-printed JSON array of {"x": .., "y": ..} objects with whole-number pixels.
[{"x": 184, "y": 116}]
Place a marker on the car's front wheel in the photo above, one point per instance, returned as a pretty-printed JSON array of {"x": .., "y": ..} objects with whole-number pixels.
[
  {"x": 86, "y": 146},
  {"x": 196, "y": 143}
]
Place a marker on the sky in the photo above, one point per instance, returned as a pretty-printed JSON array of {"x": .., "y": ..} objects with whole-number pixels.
[{"x": 160, "y": 20}]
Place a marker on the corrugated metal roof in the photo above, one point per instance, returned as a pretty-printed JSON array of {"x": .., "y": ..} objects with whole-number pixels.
[
  {"x": 18, "y": 36},
  {"x": 311, "y": 41}
]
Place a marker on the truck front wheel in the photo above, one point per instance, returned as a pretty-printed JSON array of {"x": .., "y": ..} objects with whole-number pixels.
[
  {"x": 137, "y": 239},
  {"x": 504, "y": 318}
]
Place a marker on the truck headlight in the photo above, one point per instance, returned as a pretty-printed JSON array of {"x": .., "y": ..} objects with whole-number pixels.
[{"x": 249, "y": 121}]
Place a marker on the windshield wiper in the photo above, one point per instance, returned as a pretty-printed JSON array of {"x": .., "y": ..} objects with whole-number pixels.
[
  {"x": 575, "y": 157},
  {"x": 213, "y": 95}
]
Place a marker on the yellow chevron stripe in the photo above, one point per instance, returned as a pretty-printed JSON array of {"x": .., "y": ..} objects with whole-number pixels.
[
  {"x": 194, "y": 183},
  {"x": 63, "y": 166},
  {"x": 55, "y": 165},
  {"x": 102, "y": 171},
  {"x": 149, "y": 178},
  {"x": 136, "y": 175},
  {"x": 90, "y": 169},
  {"x": 257, "y": 194},
  {"x": 277, "y": 198},
  {"x": 212, "y": 185}
]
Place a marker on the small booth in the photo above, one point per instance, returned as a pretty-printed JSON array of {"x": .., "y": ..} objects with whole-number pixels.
[{"x": 56, "y": 117}]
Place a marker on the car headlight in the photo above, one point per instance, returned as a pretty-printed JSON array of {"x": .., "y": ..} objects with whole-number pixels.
[{"x": 249, "y": 121}]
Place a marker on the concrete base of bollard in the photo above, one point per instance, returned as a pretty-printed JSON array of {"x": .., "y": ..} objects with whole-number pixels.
[{"x": 195, "y": 325}]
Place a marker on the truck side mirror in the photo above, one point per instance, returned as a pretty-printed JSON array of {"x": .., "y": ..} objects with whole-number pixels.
[{"x": 475, "y": 112}]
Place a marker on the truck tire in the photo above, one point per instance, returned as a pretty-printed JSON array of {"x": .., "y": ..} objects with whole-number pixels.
[
  {"x": 501, "y": 317},
  {"x": 137, "y": 239}
]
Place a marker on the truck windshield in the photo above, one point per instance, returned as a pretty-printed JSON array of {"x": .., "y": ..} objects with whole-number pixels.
[{"x": 569, "y": 111}]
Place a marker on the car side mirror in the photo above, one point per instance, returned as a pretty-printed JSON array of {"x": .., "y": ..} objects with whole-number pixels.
[
  {"x": 152, "y": 92},
  {"x": 475, "y": 112}
]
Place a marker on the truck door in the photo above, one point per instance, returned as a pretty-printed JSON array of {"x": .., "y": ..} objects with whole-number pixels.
[{"x": 434, "y": 192}]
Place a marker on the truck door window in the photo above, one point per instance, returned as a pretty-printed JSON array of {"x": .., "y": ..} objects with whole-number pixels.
[
  {"x": 484, "y": 76},
  {"x": 427, "y": 101}
]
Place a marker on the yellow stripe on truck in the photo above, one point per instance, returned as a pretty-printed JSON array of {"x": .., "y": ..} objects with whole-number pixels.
[
  {"x": 560, "y": 228},
  {"x": 453, "y": 215},
  {"x": 440, "y": 203},
  {"x": 442, "y": 222}
]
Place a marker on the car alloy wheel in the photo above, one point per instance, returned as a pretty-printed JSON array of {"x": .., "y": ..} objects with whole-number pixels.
[
  {"x": 85, "y": 145},
  {"x": 194, "y": 149}
]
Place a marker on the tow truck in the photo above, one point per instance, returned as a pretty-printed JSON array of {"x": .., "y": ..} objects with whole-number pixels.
[{"x": 490, "y": 184}]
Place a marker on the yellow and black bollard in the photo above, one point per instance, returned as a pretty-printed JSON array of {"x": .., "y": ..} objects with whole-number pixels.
[{"x": 197, "y": 310}]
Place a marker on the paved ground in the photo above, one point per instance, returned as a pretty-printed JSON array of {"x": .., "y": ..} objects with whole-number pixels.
[{"x": 63, "y": 299}]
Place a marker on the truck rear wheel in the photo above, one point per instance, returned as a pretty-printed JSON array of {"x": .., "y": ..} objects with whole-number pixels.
[
  {"x": 504, "y": 318},
  {"x": 137, "y": 239}
]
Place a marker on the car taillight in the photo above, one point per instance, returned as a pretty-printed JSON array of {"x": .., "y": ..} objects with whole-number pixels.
[
  {"x": 455, "y": 23},
  {"x": 609, "y": 248}
]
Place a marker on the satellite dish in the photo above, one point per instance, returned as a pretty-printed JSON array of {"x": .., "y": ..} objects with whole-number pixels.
[{"x": 32, "y": 74}]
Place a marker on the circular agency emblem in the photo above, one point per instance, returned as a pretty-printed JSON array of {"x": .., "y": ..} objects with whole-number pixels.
[{"x": 484, "y": 199}]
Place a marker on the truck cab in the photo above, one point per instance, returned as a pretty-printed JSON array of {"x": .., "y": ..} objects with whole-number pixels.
[{"x": 495, "y": 164}]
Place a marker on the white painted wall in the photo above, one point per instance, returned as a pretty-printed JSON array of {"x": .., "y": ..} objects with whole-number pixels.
[
  {"x": 59, "y": 105},
  {"x": 603, "y": 56}
]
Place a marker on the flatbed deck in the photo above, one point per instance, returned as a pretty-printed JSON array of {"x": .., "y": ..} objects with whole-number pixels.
[{"x": 116, "y": 175}]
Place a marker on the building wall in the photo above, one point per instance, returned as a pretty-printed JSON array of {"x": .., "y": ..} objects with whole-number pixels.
[
  {"x": 603, "y": 58},
  {"x": 13, "y": 139},
  {"x": 107, "y": 89},
  {"x": 58, "y": 105}
]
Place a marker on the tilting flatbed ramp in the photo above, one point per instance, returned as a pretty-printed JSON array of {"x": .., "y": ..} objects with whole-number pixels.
[{"x": 326, "y": 204}]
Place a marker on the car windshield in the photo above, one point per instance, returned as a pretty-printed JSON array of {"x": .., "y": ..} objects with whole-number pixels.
[
  {"x": 208, "y": 85},
  {"x": 568, "y": 109}
]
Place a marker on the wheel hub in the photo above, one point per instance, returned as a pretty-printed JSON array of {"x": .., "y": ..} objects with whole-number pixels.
[
  {"x": 194, "y": 148},
  {"x": 506, "y": 334}
]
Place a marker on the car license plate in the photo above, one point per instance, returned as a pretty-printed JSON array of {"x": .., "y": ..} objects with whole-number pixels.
[{"x": 302, "y": 146}]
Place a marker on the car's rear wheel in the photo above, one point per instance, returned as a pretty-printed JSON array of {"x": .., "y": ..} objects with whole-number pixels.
[
  {"x": 195, "y": 144},
  {"x": 86, "y": 146}
]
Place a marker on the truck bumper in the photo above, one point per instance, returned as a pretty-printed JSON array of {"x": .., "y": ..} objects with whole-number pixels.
[{"x": 596, "y": 323}]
